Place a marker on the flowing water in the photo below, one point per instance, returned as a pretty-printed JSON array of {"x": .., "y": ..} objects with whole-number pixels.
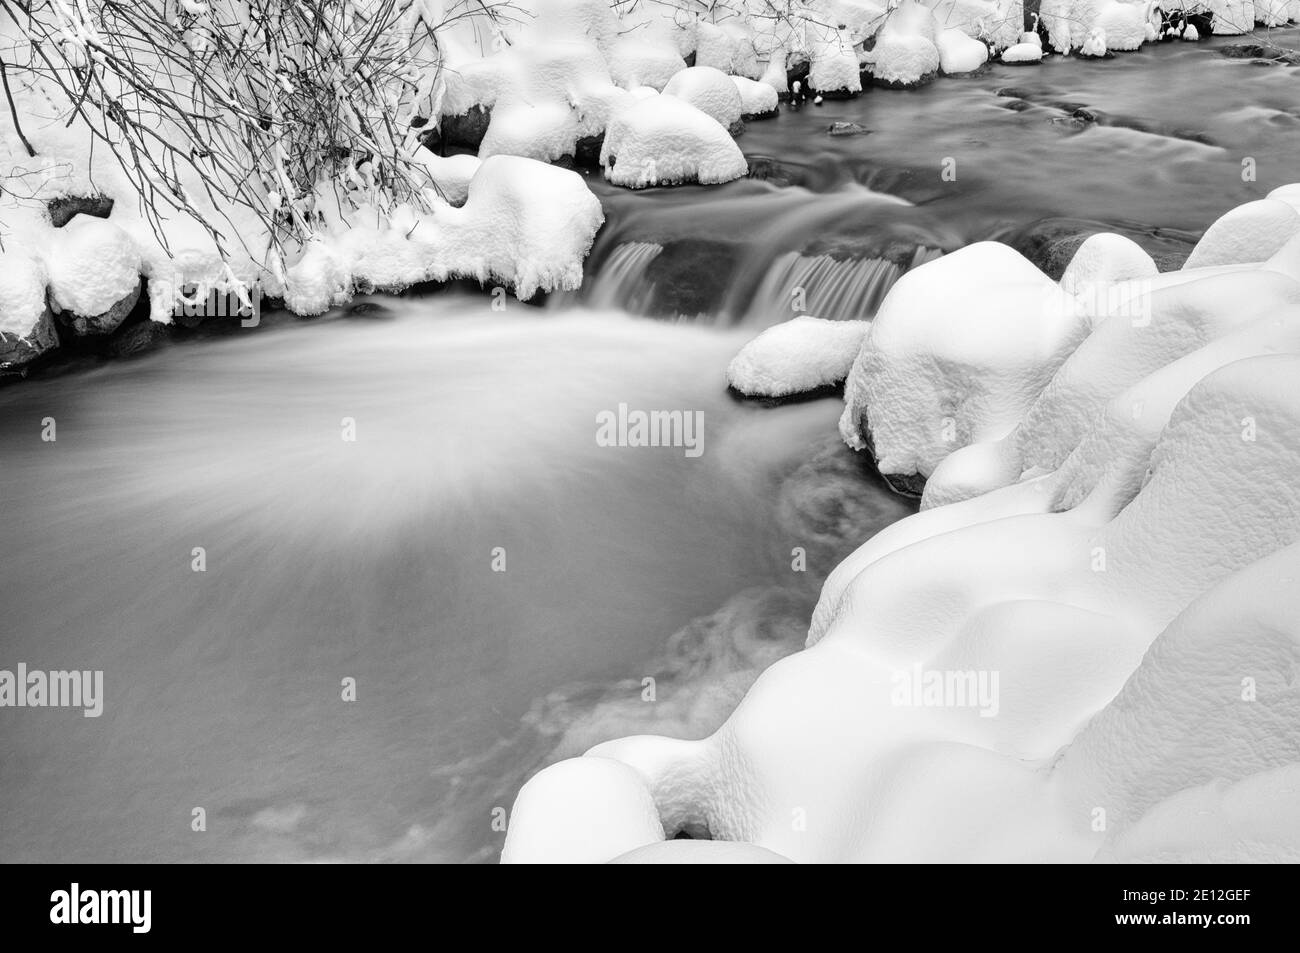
[{"x": 500, "y": 585}]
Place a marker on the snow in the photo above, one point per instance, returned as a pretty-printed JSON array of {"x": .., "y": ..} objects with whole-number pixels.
[
  {"x": 905, "y": 53},
  {"x": 585, "y": 810},
  {"x": 1104, "y": 259},
  {"x": 1095, "y": 44},
  {"x": 93, "y": 265},
  {"x": 1118, "y": 545},
  {"x": 799, "y": 355},
  {"x": 634, "y": 62},
  {"x": 450, "y": 174},
  {"x": 22, "y": 294},
  {"x": 661, "y": 140},
  {"x": 942, "y": 367},
  {"x": 1023, "y": 53},
  {"x": 823, "y": 762},
  {"x": 959, "y": 53},
  {"x": 1232, "y": 17},
  {"x": 700, "y": 852},
  {"x": 710, "y": 91},
  {"x": 756, "y": 98},
  {"x": 834, "y": 62},
  {"x": 1249, "y": 233}
]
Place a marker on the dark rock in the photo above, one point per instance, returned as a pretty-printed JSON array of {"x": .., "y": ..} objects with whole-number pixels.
[
  {"x": 1050, "y": 243},
  {"x": 587, "y": 151},
  {"x": 691, "y": 277},
  {"x": 754, "y": 117},
  {"x": 83, "y": 325},
  {"x": 467, "y": 130},
  {"x": 891, "y": 84},
  {"x": 848, "y": 129},
  {"x": 910, "y": 485},
  {"x": 736, "y": 128},
  {"x": 18, "y": 351},
  {"x": 65, "y": 208},
  {"x": 137, "y": 338},
  {"x": 689, "y": 58}
]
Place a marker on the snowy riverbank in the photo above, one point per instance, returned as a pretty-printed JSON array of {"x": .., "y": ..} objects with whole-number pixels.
[{"x": 1082, "y": 647}]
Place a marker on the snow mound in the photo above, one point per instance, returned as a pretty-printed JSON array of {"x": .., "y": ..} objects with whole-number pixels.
[
  {"x": 757, "y": 99},
  {"x": 925, "y": 718},
  {"x": 1249, "y": 233},
  {"x": 22, "y": 294},
  {"x": 1023, "y": 53},
  {"x": 1090, "y": 657},
  {"x": 1123, "y": 24},
  {"x": 905, "y": 53},
  {"x": 944, "y": 366},
  {"x": 585, "y": 810},
  {"x": 797, "y": 356},
  {"x": 636, "y": 62},
  {"x": 93, "y": 265},
  {"x": 834, "y": 67},
  {"x": 524, "y": 224},
  {"x": 451, "y": 175},
  {"x": 1232, "y": 17},
  {"x": 1104, "y": 259},
  {"x": 959, "y": 53},
  {"x": 662, "y": 140},
  {"x": 709, "y": 90}
]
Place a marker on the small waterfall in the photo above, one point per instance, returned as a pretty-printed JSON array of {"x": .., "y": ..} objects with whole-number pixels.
[
  {"x": 622, "y": 281},
  {"x": 826, "y": 287}
]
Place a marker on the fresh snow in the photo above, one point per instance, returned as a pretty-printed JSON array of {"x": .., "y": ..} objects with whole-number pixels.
[{"x": 799, "y": 355}]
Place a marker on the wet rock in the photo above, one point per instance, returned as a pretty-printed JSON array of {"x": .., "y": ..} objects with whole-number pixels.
[
  {"x": 467, "y": 130},
  {"x": 848, "y": 129},
  {"x": 909, "y": 485},
  {"x": 63, "y": 209},
  {"x": 692, "y": 276},
  {"x": 17, "y": 350},
  {"x": 1050, "y": 243},
  {"x": 137, "y": 338},
  {"x": 106, "y": 321}
]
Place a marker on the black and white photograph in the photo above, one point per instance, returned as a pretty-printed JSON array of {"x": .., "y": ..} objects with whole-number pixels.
[{"x": 650, "y": 432}]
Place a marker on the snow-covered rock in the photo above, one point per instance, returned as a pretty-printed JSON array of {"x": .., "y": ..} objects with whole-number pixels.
[
  {"x": 1248, "y": 233},
  {"x": 94, "y": 271},
  {"x": 1095, "y": 44},
  {"x": 26, "y": 325},
  {"x": 451, "y": 175},
  {"x": 959, "y": 53},
  {"x": 1023, "y": 53},
  {"x": 635, "y": 62},
  {"x": 700, "y": 852},
  {"x": 834, "y": 68},
  {"x": 1110, "y": 625},
  {"x": 956, "y": 353},
  {"x": 1104, "y": 259},
  {"x": 757, "y": 100},
  {"x": 796, "y": 356},
  {"x": 1232, "y": 17},
  {"x": 662, "y": 140},
  {"x": 710, "y": 91},
  {"x": 585, "y": 810},
  {"x": 905, "y": 53}
]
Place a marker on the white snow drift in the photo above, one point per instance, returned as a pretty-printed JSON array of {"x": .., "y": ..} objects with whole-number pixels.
[{"x": 1100, "y": 626}]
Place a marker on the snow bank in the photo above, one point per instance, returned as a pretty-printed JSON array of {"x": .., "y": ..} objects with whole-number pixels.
[
  {"x": 93, "y": 266},
  {"x": 905, "y": 53},
  {"x": 943, "y": 366},
  {"x": 451, "y": 175},
  {"x": 26, "y": 327},
  {"x": 799, "y": 355},
  {"x": 524, "y": 224},
  {"x": 1110, "y": 634},
  {"x": 662, "y": 140},
  {"x": 959, "y": 53},
  {"x": 757, "y": 100},
  {"x": 1249, "y": 233},
  {"x": 710, "y": 91}
]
